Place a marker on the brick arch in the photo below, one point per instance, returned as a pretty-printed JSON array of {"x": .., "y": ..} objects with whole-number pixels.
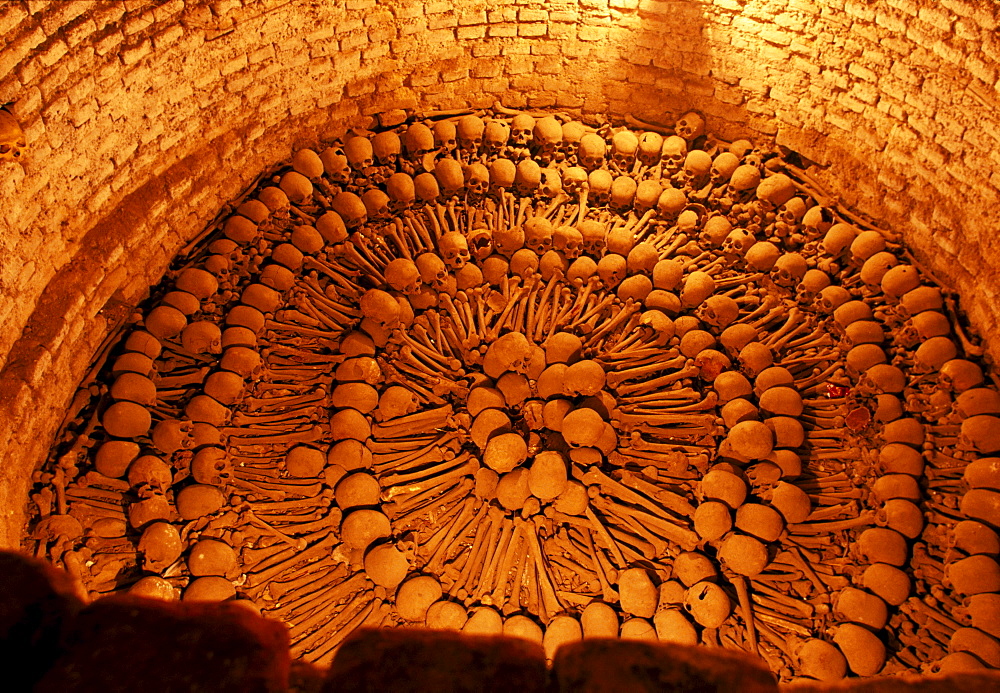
[{"x": 144, "y": 117}]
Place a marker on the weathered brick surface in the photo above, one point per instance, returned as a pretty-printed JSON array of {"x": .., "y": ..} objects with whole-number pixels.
[
  {"x": 120, "y": 98},
  {"x": 605, "y": 666},
  {"x": 418, "y": 660},
  {"x": 130, "y": 643}
]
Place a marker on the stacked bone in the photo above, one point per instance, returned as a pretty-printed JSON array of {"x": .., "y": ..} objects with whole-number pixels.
[{"x": 519, "y": 374}]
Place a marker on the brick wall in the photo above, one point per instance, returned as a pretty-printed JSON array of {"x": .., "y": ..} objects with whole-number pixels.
[{"x": 143, "y": 117}]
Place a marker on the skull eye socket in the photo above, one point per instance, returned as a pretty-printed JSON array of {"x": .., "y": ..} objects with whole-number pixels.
[{"x": 4, "y": 148}]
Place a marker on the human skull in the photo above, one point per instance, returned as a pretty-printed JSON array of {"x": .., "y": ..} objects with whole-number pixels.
[
  {"x": 386, "y": 146},
  {"x": 718, "y": 311},
  {"x": 672, "y": 154},
  {"x": 397, "y": 401},
  {"x": 789, "y": 270},
  {"x": 690, "y": 126},
  {"x": 593, "y": 234},
  {"x": 426, "y": 187},
  {"x": 624, "y": 146},
  {"x": 12, "y": 140},
  {"x": 623, "y": 190},
  {"x": 202, "y": 337},
  {"x": 547, "y": 136},
  {"x": 380, "y": 307},
  {"x": 502, "y": 175},
  {"x": 454, "y": 250},
  {"x": 450, "y": 178},
  {"x": 697, "y": 169},
  {"x": 715, "y": 231},
  {"x": 351, "y": 209},
  {"x": 149, "y": 472},
  {"x": 477, "y": 179},
  {"x": 403, "y": 275},
  {"x": 831, "y": 298},
  {"x": 337, "y": 168},
  {"x": 650, "y": 146},
  {"x": 599, "y": 182},
  {"x": 816, "y": 222},
  {"x": 445, "y": 136},
  {"x": 527, "y": 177},
  {"x": 376, "y": 204},
  {"x": 538, "y": 234},
  {"x": 401, "y": 191},
  {"x": 495, "y": 137},
  {"x": 791, "y": 212},
  {"x": 508, "y": 241},
  {"x": 418, "y": 140},
  {"x": 571, "y": 134},
  {"x": 481, "y": 242},
  {"x": 723, "y": 167},
  {"x": 360, "y": 154},
  {"x": 612, "y": 269},
  {"x": 671, "y": 203},
  {"x": 592, "y": 151},
  {"x": 160, "y": 546},
  {"x": 551, "y": 183},
  {"x": 737, "y": 243},
  {"x": 574, "y": 179},
  {"x": 647, "y": 194},
  {"x": 433, "y": 271},
  {"x": 521, "y": 129},
  {"x": 814, "y": 281},
  {"x": 470, "y": 131},
  {"x": 568, "y": 241},
  {"x": 774, "y": 191}
]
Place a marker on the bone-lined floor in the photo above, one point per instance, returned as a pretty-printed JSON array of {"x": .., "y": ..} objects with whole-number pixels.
[{"x": 516, "y": 374}]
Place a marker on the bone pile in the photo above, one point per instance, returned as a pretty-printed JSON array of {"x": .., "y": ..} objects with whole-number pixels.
[{"x": 510, "y": 373}]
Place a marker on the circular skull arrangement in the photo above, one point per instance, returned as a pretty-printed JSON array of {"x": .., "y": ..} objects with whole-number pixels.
[{"x": 512, "y": 373}]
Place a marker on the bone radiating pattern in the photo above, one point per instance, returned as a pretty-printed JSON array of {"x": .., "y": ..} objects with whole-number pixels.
[{"x": 509, "y": 372}]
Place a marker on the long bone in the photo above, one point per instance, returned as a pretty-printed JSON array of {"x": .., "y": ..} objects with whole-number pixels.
[
  {"x": 286, "y": 558},
  {"x": 670, "y": 530},
  {"x": 602, "y": 532},
  {"x": 325, "y": 567},
  {"x": 432, "y": 506},
  {"x": 424, "y": 473},
  {"x": 618, "y": 377},
  {"x": 501, "y": 548},
  {"x": 672, "y": 414},
  {"x": 432, "y": 485},
  {"x": 467, "y": 516},
  {"x": 549, "y": 598},
  {"x": 632, "y": 545},
  {"x": 485, "y": 537},
  {"x": 628, "y": 309},
  {"x": 657, "y": 383},
  {"x": 649, "y": 545},
  {"x": 387, "y": 460},
  {"x": 402, "y": 426},
  {"x": 606, "y": 574},
  {"x": 306, "y": 435},
  {"x": 515, "y": 548},
  {"x": 314, "y": 631},
  {"x": 256, "y": 404},
  {"x": 673, "y": 501},
  {"x": 374, "y": 615}
]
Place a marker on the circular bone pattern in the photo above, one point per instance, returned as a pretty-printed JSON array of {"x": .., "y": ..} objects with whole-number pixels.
[{"x": 513, "y": 373}]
